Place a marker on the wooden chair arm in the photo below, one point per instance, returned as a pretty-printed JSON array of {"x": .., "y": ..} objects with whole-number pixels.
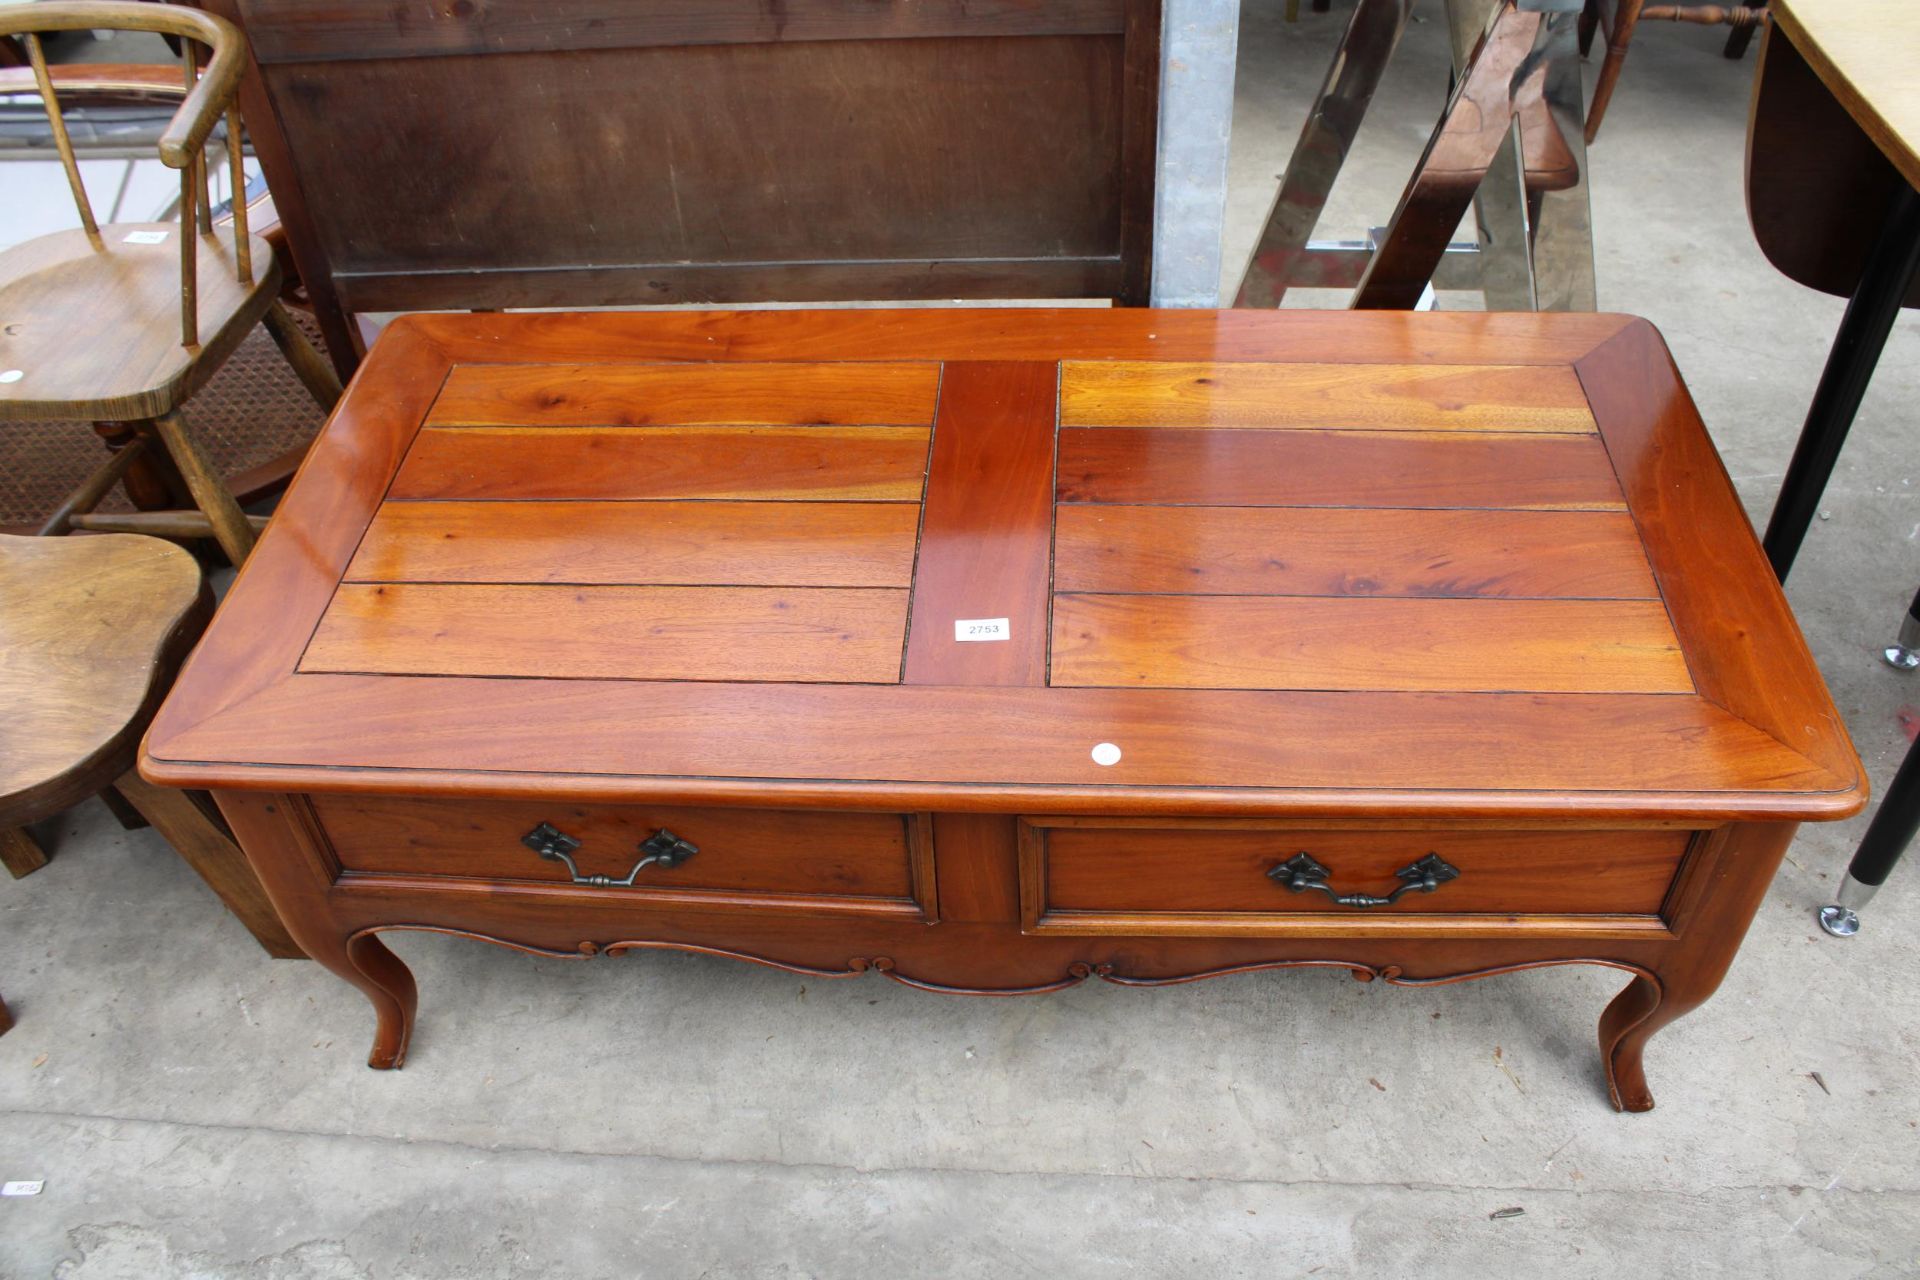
[{"x": 195, "y": 119}]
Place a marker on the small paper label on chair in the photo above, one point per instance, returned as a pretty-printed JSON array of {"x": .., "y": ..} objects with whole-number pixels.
[
  {"x": 22, "y": 1188},
  {"x": 982, "y": 629},
  {"x": 146, "y": 237}
]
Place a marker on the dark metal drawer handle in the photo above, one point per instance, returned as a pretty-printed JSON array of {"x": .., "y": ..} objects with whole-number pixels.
[
  {"x": 1302, "y": 872},
  {"x": 662, "y": 848}
]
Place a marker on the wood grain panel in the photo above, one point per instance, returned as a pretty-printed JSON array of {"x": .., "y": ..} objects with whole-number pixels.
[
  {"x": 636, "y": 633},
  {"x": 692, "y": 394},
  {"x": 984, "y": 546},
  {"x": 1385, "y": 397},
  {"x": 1152, "y": 870},
  {"x": 839, "y": 151},
  {"x": 1343, "y": 552},
  {"x": 741, "y": 851},
  {"x": 1255, "y": 642},
  {"x": 298, "y": 30},
  {"x": 875, "y": 464},
  {"x": 1337, "y": 469},
  {"x": 775, "y": 544}
]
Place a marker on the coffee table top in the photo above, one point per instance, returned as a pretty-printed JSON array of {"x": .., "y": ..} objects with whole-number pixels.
[{"x": 1019, "y": 560}]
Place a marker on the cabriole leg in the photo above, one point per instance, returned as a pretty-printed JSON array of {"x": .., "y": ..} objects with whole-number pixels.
[{"x": 1720, "y": 897}]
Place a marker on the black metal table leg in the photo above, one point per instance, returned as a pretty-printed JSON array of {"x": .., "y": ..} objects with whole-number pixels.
[
  {"x": 1888, "y": 836},
  {"x": 1856, "y": 349}
]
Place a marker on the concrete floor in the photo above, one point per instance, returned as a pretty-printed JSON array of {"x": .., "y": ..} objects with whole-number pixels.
[{"x": 199, "y": 1111}]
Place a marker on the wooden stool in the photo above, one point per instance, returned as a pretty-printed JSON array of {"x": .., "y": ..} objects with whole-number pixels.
[{"x": 92, "y": 631}]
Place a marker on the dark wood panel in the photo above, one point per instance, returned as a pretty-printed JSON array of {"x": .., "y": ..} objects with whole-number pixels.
[
  {"x": 1343, "y": 552},
  {"x": 1818, "y": 187},
  {"x": 1336, "y": 469},
  {"x": 687, "y": 394},
  {"x": 301, "y": 31},
  {"x": 1385, "y": 397},
  {"x": 984, "y": 546},
  {"x": 1148, "y": 870},
  {"x": 742, "y": 851},
  {"x": 709, "y": 283},
  {"x": 637, "y": 633},
  {"x": 856, "y": 150},
  {"x": 1303, "y": 642},
  {"x": 877, "y": 464},
  {"x": 778, "y": 544}
]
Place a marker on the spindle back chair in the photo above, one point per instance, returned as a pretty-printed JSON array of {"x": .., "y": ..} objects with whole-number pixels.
[{"x": 102, "y": 327}]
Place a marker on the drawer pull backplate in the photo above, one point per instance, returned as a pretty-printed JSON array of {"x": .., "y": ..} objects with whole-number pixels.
[
  {"x": 1303, "y": 871},
  {"x": 662, "y": 848}
]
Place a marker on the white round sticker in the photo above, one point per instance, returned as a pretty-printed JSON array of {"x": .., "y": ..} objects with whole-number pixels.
[
  {"x": 13, "y": 375},
  {"x": 1106, "y": 753}
]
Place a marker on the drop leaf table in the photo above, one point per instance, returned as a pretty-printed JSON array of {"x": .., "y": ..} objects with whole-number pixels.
[{"x": 999, "y": 650}]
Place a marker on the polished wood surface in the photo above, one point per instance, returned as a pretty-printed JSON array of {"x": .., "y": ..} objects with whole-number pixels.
[
  {"x": 1336, "y": 468},
  {"x": 1385, "y": 397},
  {"x": 1283, "y": 669},
  {"x": 1350, "y": 551},
  {"x": 1316, "y": 615},
  {"x": 1293, "y": 642},
  {"x": 812, "y": 149}
]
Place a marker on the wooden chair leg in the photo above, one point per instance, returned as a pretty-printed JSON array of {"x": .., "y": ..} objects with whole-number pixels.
[
  {"x": 321, "y": 382},
  {"x": 129, "y": 817},
  {"x": 20, "y": 852},
  {"x": 210, "y": 851},
  {"x": 83, "y": 500},
  {"x": 6, "y": 1019},
  {"x": 210, "y": 493}
]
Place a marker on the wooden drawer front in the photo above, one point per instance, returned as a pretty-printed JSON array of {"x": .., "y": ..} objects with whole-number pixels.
[
  {"x": 868, "y": 863},
  {"x": 1155, "y": 878}
]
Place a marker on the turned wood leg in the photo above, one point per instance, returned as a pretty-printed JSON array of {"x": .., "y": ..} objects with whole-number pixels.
[
  {"x": 1721, "y": 895},
  {"x": 20, "y": 852},
  {"x": 206, "y": 848},
  {"x": 210, "y": 493},
  {"x": 315, "y": 374}
]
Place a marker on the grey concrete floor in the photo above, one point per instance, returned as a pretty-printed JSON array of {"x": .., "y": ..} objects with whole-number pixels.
[{"x": 199, "y": 1111}]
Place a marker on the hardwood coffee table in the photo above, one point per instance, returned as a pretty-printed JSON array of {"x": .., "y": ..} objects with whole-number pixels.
[{"x": 994, "y": 651}]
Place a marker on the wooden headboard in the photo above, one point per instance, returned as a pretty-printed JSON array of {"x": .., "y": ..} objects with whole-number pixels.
[{"x": 439, "y": 154}]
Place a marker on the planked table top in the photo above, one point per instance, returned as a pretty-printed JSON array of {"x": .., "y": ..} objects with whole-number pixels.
[
  {"x": 1863, "y": 51},
  {"x": 1019, "y": 560}
]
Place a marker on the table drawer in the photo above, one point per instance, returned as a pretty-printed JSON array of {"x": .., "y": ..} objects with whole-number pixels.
[
  {"x": 867, "y": 863},
  {"x": 1217, "y": 878}
]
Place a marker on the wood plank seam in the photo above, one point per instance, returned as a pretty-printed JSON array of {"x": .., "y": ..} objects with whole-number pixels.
[{"x": 920, "y": 525}]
